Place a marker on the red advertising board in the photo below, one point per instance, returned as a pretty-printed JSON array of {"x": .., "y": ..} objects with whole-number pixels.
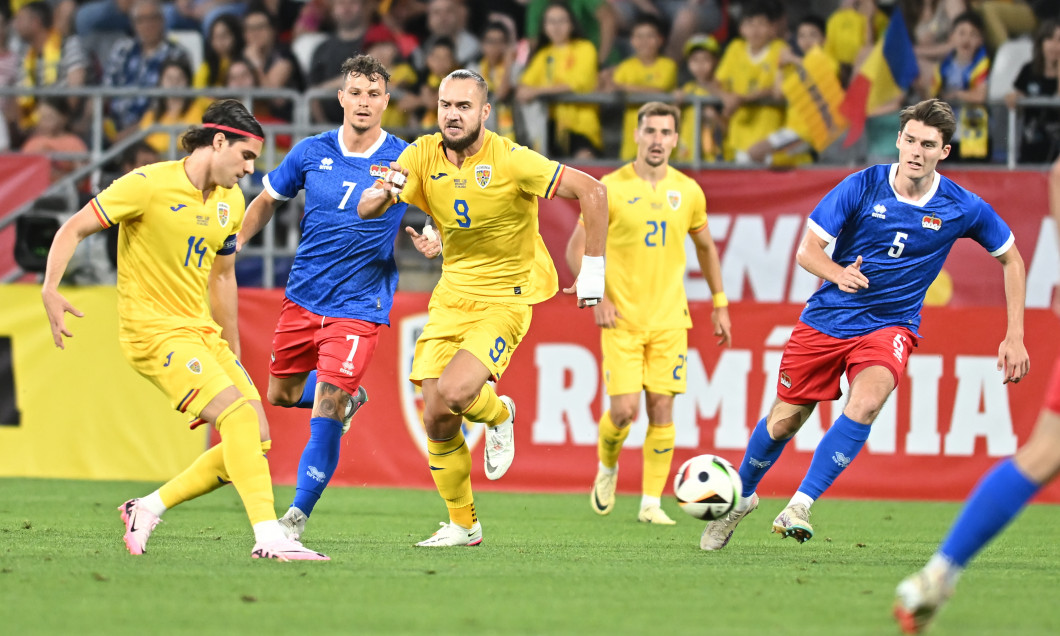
[{"x": 947, "y": 422}]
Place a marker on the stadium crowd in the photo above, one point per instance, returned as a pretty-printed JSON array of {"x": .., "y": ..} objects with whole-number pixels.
[{"x": 558, "y": 70}]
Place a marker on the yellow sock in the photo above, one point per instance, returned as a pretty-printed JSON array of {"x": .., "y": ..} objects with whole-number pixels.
[
  {"x": 450, "y": 462},
  {"x": 658, "y": 454},
  {"x": 206, "y": 474},
  {"x": 610, "y": 440},
  {"x": 486, "y": 408},
  {"x": 246, "y": 464}
]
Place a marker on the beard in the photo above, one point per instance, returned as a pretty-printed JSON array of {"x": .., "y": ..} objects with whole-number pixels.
[
  {"x": 461, "y": 144},
  {"x": 655, "y": 163}
]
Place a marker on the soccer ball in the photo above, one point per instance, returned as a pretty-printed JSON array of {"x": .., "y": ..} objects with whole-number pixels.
[{"x": 707, "y": 487}]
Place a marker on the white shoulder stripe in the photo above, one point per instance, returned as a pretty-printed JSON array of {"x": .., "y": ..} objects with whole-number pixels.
[
  {"x": 272, "y": 192},
  {"x": 1004, "y": 248},
  {"x": 819, "y": 231}
]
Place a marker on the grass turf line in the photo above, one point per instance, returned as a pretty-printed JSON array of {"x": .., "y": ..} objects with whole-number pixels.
[{"x": 548, "y": 565}]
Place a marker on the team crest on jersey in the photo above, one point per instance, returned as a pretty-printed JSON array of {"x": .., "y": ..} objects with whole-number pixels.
[
  {"x": 222, "y": 213},
  {"x": 194, "y": 366},
  {"x": 378, "y": 170},
  {"x": 673, "y": 197},
  {"x": 483, "y": 173},
  {"x": 409, "y": 331},
  {"x": 785, "y": 379},
  {"x": 932, "y": 223}
]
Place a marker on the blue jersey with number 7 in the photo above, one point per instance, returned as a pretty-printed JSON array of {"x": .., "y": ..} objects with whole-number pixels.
[{"x": 344, "y": 266}]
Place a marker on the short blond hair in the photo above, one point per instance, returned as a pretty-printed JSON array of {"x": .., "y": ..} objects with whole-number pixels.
[{"x": 659, "y": 109}]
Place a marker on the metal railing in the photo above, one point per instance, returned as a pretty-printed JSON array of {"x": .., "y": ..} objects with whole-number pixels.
[{"x": 270, "y": 250}]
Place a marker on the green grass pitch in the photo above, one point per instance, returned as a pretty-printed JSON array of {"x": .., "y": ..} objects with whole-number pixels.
[{"x": 547, "y": 565}]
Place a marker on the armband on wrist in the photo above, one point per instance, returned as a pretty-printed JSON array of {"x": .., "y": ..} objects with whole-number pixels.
[{"x": 720, "y": 300}]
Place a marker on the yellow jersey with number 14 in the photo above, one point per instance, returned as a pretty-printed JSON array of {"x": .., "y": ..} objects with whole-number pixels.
[
  {"x": 646, "y": 232},
  {"x": 167, "y": 243},
  {"x": 486, "y": 214}
]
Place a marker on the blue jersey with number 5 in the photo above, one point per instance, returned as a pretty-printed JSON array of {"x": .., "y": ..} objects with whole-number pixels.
[
  {"x": 344, "y": 266},
  {"x": 903, "y": 245}
]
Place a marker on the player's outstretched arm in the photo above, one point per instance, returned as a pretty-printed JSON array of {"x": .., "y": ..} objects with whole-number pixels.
[
  {"x": 224, "y": 299},
  {"x": 259, "y": 213},
  {"x": 428, "y": 243},
  {"x": 592, "y": 198},
  {"x": 710, "y": 265},
  {"x": 604, "y": 312},
  {"x": 1012, "y": 356},
  {"x": 69, "y": 236},
  {"x": 812, "y": 257},
  {"x": 383, "y": 193}
]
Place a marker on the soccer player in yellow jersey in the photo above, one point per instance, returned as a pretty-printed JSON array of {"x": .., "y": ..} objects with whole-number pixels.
[
  {"x": 644, "y": 337},
  {"x": 177, "y": 314},
  {"x": 481, "y": 190}
]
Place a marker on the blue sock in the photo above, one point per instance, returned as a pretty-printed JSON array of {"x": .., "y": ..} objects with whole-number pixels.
[
  {"x": 309, "y": 393},
  {"x": 762, "y": 452},
  {"x": 996, "y": 500},
  {"x": 319, "y": 459},
  {"x": 839, "y": 446}
]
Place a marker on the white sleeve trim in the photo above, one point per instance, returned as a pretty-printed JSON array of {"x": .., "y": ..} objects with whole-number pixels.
[
  {"x": 272, "y": 191},
  {"x": 1004, "y": 248},
  {"x": 819, "y": 231}
]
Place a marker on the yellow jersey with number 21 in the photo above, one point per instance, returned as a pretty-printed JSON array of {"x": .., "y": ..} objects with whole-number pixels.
[
  {"x": 486, "y": 214},
  {"x": 646, "y": 232},
  {"x": 167, "y": 243}
]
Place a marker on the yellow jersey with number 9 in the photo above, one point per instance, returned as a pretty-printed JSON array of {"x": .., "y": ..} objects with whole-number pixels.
[
  {"x": 167, "y": 242},
  {"x": 646, "y": 232},
  {"x": 486, "y": 214}
]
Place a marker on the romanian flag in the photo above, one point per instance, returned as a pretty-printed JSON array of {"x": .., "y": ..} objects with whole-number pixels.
[
  {"x": 814, "y": 97},
  {"x": 886, "y": 74}
]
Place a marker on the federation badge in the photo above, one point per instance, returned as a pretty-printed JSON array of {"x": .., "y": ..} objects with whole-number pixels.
[
  {"x": 194, "y": 366},
  {"x": 483, "y": 174},
  {"x": 932, "y": 223},
  {"x": 222, "y": 213},
  {"x": 673, "y": 197},
  {"x": 785, "y": 379}
]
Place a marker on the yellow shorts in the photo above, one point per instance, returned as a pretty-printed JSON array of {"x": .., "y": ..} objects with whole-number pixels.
[
  {"x": 191, "y": 367},
  {"x": 489, "y": 331},
  {"x": 635, "y": 361}
]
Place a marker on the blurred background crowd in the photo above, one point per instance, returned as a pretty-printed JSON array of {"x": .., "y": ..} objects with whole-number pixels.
[{"x": 565, "y": 77}]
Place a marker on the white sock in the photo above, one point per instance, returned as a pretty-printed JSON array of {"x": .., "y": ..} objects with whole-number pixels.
[
  {"x": 947, "y": 570},
  {"x": 268, "y": 531},
  {"x": 153, "y": 503},
  {"x": 608, "y": 470},
  {"x": 801, "y": 498},
  {"x": 744, "y": 503},
  {"x": 646, "y": 501}
]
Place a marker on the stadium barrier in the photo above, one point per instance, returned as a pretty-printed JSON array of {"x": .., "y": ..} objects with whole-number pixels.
[{"x": 82, "y": 411}]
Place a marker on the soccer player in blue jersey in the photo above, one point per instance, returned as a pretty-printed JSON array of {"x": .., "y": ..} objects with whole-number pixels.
[
  {"x": 996, "y": 500},
  {"x": 892, "y": 226},
  {"x": 343, "y": 280}
]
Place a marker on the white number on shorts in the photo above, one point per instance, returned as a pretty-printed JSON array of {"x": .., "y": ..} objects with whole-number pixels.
[
  {"x": 898, "y": 245},
  {"x": 353, "y": 349},
  {"x": 899, "y": 346},
  {"x": 349, "y": 190}
]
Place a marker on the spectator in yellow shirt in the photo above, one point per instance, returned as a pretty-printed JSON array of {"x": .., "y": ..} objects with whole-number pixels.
[
  {"x": 748, "y": 75},
  {"x": 645, "y": 72},
  {"x": 565, "y": 63},
  {"x": 701, "y": 60}
]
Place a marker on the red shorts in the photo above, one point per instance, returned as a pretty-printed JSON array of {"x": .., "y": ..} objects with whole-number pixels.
[
  {"x": 1052, "y": 391},
  {"x": 813, "y": 362},
  {"x": 338, "y": 348}
]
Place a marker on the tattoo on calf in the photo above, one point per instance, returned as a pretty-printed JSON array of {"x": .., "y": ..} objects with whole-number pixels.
[{"x": 332, "y": 401}]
